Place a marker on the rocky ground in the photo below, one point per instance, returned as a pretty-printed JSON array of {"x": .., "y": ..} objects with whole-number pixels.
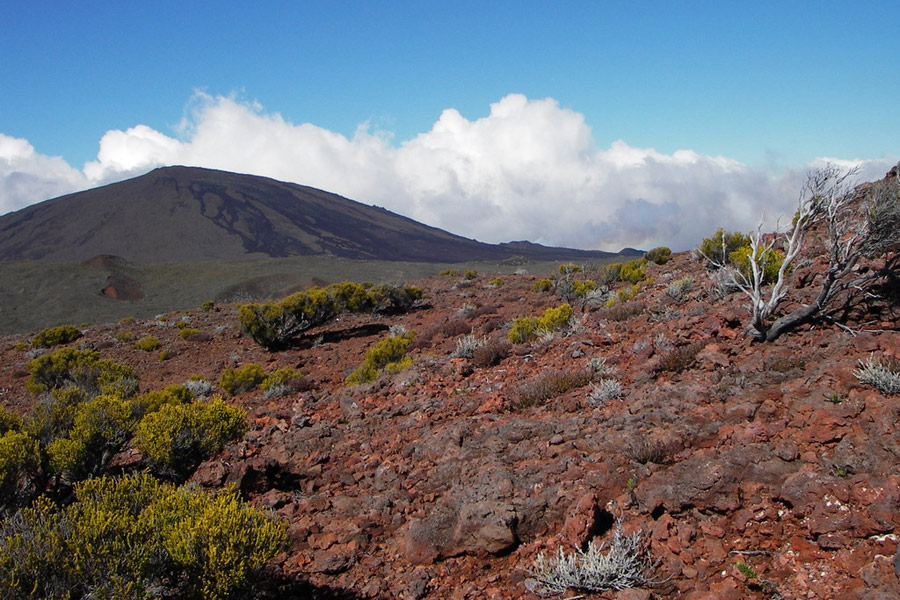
[{"x": 441, "y": 481}]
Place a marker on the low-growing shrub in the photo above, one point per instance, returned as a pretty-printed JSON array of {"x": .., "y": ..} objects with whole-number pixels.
[
  {"x": 178, "y": 437},
  {"x": 626, "y": 564},
  {"x": 548, "y": 386},
  {"x": 490, "y": 353},
  {"x": 188, "y": 333},
  {"x": 148, "y": 343},
  {"x": 680, "y": 358},
  {"x": 242, "y": 379},
  {"x": 467, "y": 344},
  {"x": 622, "y": 312},
  {"x": 768, "y": 260},
  {"x": 387, "y": 356},
  {"x": 208, "y": 305},
  {"x": 719, "y": 246},
  {"x": 880, "y": 373},
  {"x": 633, "y": 271},
  {"x": 660, "y": 255},
  {"x": 542, "y": 285},
  {"x": 55, "y": 336},
  {"x": 470, "y": 274},
  {"x": 19, "y": 456},
  {"x": 605, "y": 390},
  {"x": 83, "y": 369},
  {"x": 678, "y": 288},
  {"x": 134, "y": 537},
  {"x": 450, "y": 273},
  {"x": 644, "y": 449},
  {"x": 273, "y": 325},
  {"x": 495, "y": 282},
  {"x": 282, "y": 382},
  {"x": 124, "y": 336},
  {"x": 552, "y": 319}
]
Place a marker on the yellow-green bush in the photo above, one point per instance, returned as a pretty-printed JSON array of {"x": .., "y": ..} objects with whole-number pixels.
[
  {"x": 9, "y": 421},
  {"x": 55, "y": 336},
  {"x": 450, "y": 273},
  {"x": 526, "y": 328},
  {"x": 769, "y": 262},
  {"x": 19, "y": 454},
  {"x": 660, "y": 255},
  {"x": 242, "y": 379},
  {"x": 719, "y": 246},
  {"x": 496, "y": 282},
  {"x": 542, "y": 285},
  {"x": 582, "y": 287},
  {"x": 569, "y": 268},
  {"x": 133, "y": 538},
  {"x": 83, "y": 369},
  {"x": 387, "y": 356},
  {"x": 178, "y": 437},
  {"x": 272, "y": 325},
  {"x": 284, "y": 378},
  {"x": 208, "y": 305},
  {"x": 100, "y": 428},
  {"x": 188, "y": 333},
  {"x": 633, "y": 271},
  {"x": 148, "y": 343}
]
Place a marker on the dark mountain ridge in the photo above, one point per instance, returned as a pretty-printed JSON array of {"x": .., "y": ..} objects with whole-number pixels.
[{"x": 175, "y": 214}]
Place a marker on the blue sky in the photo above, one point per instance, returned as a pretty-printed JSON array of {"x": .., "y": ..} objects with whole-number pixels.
[{"x": 760, "y": 89}]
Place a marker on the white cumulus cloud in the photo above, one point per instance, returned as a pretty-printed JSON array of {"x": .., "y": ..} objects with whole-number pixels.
[{"x": 528, "y": 170}]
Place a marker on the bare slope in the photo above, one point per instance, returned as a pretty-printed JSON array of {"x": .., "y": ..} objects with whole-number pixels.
[{"x": 176, "y": 214}]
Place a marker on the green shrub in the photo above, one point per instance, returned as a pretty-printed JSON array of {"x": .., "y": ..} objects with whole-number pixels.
[
  {"x": 470, "y": 274},
  {"x": 126, "y": 320},
  {"x": 9, "y": 421},
  {"x": 243, "y": 379},
  {"x": 582, "y": 287},
  {"x": 542, "y": 285},
  {"x": 83, "y": 369},
  {"x": 19, "y": 455},
  {"x": 523, "y": 329},
  {"x": 134, "y": 537},
  {"x": 633, "y": 271},
  {"x": 188, "y": 333},
  {"x": 148, "y": 343},
  {"x": 124, "y": 336},
  {"x": 55, "y": 336},
  {"x": 769, "y": 262},
  {"x": 450, "y": 273},
  {"x": 569, "y": 269},
  {"x": 282, "y": 381},
  {"x": 100, "y": 429},
  {"x": 496, "y": 282},
  {"x": 178, "y": 437},
  {"x": 387, "y": 356},
  {"x": 712, "y": 247},
  {"x": 272, "y": 325},
  {"x": 208, "y": 305},
  {"x": 552, "y": 319},
  {"x": 660, "y": 255}
]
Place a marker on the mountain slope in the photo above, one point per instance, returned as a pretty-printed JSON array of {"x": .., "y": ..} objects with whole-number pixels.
[{"x": 189, "y": 214}]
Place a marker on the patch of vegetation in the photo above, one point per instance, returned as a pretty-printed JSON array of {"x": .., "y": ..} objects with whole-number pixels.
[
  {"x": 882, "y": 374},
  {"x": 605, "y": 390},
  {"x": 626, "y": 564},
  {"x": 542, "y": 285},
  {"x": 188, "y": 333},
  {"x": 720, "y": 245},
  {"x": 678, "y": 289},
  {"x": 680, "y": 358},
  {"x": 633, "y": 271},
  {"x": 660, "y": 255},
  {"x": 82, "y": 369},
  {"x": 273, "y": 325},
  {"x": 148, "y": 343},
  {"x": 55, "y": 336},
  {"x": 387, "y": 356},
  {"x": 450, "y": 273},
  {"x": 527, "y": 328},
  {"x": 622, "y": 312},
  {"x": 178, "y": 437},
  {"x": 548, "y": 386},
  {"x": 134, "y": 537},
  {"x": 490, "y": 353},
  {"x": 208, "y": 305},
  {"x": 242, "y": 379}
]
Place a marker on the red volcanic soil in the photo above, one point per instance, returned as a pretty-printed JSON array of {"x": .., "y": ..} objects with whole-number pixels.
[{"x": 436, "y": 482}]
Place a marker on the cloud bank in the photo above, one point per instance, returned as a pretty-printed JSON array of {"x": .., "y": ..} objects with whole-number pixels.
[{"x": 529, "y": 170}]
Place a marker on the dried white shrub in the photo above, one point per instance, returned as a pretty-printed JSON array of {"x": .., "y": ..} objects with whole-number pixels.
[
  {"x": 885, "y": 376},
  {"x": 626, "y": 564},
  {"x": 605, "y": 390}
]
